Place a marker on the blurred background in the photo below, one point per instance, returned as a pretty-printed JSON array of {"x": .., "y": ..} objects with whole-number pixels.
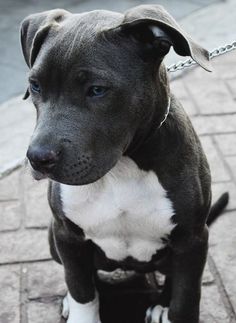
[{"x": 31, "y": 284}]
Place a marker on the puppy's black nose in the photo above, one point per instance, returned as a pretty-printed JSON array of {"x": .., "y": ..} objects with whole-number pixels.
[{"x": 43, "y": 159}]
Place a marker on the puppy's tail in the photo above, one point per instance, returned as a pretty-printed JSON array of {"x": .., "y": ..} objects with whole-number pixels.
[{"x": 217, "y": 208}]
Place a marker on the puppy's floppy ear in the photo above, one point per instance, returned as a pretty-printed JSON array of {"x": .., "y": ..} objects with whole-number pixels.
[
  {"x": 155, "y": 15},
  {"x": 34, "y": 31}
]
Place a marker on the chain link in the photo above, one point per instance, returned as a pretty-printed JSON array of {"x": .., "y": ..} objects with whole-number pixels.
[{"x": 190, "y": 62}]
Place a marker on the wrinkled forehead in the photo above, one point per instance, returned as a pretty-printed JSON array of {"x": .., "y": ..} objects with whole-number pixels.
[
  {"x": 79, "y": 38},
  {"x": 85, "y": 27},
  {"x": 79, "y": 43}
]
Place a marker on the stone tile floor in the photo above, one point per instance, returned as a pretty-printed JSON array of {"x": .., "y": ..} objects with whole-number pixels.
[{"x": 31, "y": 284}]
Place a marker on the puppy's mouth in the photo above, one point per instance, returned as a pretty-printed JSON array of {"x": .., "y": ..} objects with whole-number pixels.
[
  {"x": 79, "y": 170},
  {"x": 71, "y": 175},
  {"x": 67, "y": 176}
]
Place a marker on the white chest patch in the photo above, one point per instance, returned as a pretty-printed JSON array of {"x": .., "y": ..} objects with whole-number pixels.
[{"x": 126, "y": 212}]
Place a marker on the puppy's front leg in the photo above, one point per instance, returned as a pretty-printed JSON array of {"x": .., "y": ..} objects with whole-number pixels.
[
  {"x": 188, "y": 264},
  {"x": 189, "y": 257},
  {"x": 81, "y": 305}
]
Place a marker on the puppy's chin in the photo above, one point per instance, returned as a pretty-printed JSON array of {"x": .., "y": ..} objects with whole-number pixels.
[{"x": 37, "y": 175}]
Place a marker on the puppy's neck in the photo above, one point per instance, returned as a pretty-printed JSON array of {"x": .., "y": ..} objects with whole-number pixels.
[{"x": 157, "y": 117}]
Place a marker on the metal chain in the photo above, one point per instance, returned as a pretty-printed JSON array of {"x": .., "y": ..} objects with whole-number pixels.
[{"x": 190, "y": 62}]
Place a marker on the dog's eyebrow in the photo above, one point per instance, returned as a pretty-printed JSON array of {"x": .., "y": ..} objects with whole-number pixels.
[{"x": 94, "y": 72}]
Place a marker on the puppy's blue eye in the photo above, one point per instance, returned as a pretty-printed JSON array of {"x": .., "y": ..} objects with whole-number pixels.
[
  {"x": 35, "y": 87},
  {"x": 97, "y": 91}
]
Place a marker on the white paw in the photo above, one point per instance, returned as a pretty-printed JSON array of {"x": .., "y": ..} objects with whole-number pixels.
[
  {"x": 157, "y": 314},
  {"x": 75, "y": 312}
]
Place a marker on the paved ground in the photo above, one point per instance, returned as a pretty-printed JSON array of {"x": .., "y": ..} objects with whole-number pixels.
[{"x": 31, "y": 285}]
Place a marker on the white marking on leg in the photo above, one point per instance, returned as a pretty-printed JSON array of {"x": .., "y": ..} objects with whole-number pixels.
[
  {"x": 81, "y": 313},
  {"x": 157, "y": 314},
  {"x": 165, "y": 316},
  {"x": 148, "y": 315}
]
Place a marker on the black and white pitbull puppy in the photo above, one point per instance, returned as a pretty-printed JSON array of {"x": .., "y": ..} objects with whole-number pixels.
[{"x": 129, "y": 182}]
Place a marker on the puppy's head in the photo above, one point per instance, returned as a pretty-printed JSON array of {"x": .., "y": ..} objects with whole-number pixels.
[{"x": 98, "y": 84}]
